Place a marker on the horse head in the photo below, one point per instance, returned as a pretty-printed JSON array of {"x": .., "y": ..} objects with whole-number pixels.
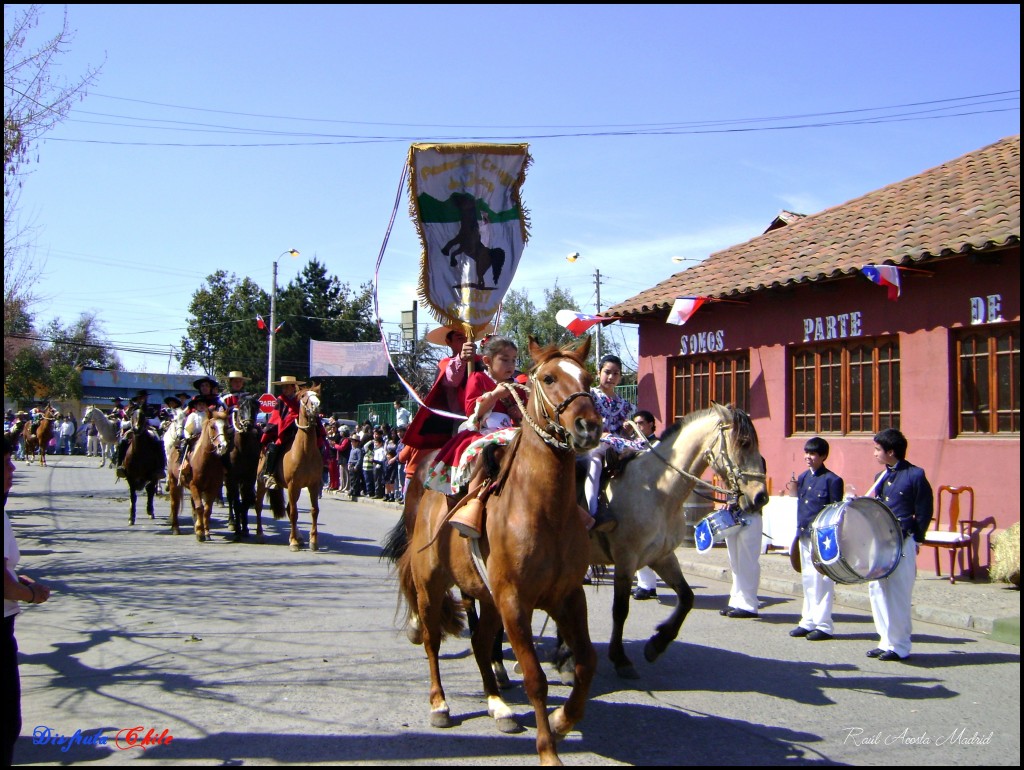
[
  {"x": 561, "y": 406},
  {"x": 732, "y": 451},
  {"x": 215, "y": 428},
  {"x": 309, "y": 400},
  {"x": 244, "y": 415}
]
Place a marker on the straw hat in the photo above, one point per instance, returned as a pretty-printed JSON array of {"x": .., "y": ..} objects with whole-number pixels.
[
  {"x": 288, "y": 380},
  {"x": 237, "y": 376},
  {"x": 439, "y": 336}
]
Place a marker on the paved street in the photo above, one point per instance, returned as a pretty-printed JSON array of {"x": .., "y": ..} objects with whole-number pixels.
[{"x": 252, "y": 654}]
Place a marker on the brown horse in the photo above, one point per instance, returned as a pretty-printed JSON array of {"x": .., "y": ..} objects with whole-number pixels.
[
  {"x": 301, "y": 467},
  {"x": 144, "y": 463},
  {"x": 207, "y": 476},
  {"x": 244, "y": 456},
  {"x": 533, "y": 555},
  {"x": 37, "y": 438}
]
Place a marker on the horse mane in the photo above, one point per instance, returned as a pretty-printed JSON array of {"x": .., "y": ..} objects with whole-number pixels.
[{"x": 743, "y": 432}]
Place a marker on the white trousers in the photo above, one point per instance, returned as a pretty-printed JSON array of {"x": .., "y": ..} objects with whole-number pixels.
[
  {"x": 891, "y": 602},
  {"x": 744, "y": 546},
  {"x": 646, "y": 578},
  {"x": 819, "y": 592},
  {"x": 592, "y": 487}
]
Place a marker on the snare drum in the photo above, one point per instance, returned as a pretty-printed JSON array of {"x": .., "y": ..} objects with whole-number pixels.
[
  {"x": 715, "y": 526},
  {"x": 856, "y": 540}
]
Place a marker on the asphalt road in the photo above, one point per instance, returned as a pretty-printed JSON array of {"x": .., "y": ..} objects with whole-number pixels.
[{"x": 251, "y": 654}]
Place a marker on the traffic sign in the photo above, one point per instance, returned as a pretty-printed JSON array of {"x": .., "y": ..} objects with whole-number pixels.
[{"x": 267, "y": 402}]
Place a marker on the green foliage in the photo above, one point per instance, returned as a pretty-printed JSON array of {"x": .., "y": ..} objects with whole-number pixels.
[
  {"x": 521, "y": 319},
  {"x": 222, "y": 334},
  {"x": 25, "y": 376}
]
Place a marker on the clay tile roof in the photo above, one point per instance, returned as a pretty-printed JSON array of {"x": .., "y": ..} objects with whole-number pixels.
[{"x": 968, "y": 204}]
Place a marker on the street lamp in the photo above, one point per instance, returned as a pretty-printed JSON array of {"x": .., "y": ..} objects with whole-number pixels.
[{"x": 272, "y": 335}]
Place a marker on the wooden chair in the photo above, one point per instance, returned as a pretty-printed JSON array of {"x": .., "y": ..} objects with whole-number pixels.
[{"x": 958, "y": 532}]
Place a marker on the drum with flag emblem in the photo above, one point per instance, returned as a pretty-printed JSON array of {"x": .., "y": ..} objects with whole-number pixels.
[{"x": 856, "y": 540}]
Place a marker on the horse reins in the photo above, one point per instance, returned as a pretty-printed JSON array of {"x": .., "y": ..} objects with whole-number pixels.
[{"x": 554, "y": 433}]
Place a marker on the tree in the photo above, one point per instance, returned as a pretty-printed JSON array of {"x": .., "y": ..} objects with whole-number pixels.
[
  {"x": 521, "y": 319},
  {"x": 35, "y": 100},
  {"x": 222, "y": 333},
  {"x": 73, "y": 348}
]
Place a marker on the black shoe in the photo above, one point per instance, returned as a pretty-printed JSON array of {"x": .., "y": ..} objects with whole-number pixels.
[
  {"x": 800, "y": 631},
  {"x": 640, "y": 594},
  {"x": 818, "y": 636},
  {"x": 724, "y": 612},
  {"x": 737, "y": 613},
  {"x": 890, "y": 655},
  {"x": 875, "y": 653}
]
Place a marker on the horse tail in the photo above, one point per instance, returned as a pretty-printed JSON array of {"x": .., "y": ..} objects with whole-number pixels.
[
  {"x": 395, "y": 542},
  {"x": 276, "y": 498},
  {"x": 497, "y": 262}
]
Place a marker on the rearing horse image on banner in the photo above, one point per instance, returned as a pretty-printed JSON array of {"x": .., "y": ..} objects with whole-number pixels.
[{"x": 465, "y": 201}]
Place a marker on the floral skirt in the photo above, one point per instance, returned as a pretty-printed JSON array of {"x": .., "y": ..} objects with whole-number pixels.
[{"x": 450, "y": 473}]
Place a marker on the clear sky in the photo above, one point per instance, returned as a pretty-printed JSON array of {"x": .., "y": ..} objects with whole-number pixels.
[{"x": 218, "y": 137}]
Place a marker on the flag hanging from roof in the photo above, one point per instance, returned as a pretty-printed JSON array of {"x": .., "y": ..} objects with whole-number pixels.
[
  {"x": 578, "y": 323},
  {"x": 466, "y": 204},
  {"x": 884, "y": 275},
  {"x": 683, "y": 308}
]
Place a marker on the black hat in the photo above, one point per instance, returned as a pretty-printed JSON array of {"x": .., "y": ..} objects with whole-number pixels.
[
  {"x": 200, "y": 399},
  {"x": 141, "y": 394},
  {"x": 213, "y": 382},
  {"x": 173, "y": 401}
]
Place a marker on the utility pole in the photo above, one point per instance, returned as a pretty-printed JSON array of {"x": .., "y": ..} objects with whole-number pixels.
[
  {"x": 270, "y": 331},
  {"x": 597, "y": 328}
]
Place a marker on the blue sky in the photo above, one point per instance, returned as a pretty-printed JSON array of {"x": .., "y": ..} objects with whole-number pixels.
[{"x": 656, "y": 131}]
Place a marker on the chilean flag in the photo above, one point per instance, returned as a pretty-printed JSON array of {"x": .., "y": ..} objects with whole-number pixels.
[
  {"x": 260, "y": 323},
  {"x": 884, "y": 275},
  {"x": 683, "y": 308},
  {"x": 578, "y": 323}
]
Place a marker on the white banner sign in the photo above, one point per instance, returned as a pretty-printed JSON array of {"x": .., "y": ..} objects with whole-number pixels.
[{"x": 347, "y": 359}]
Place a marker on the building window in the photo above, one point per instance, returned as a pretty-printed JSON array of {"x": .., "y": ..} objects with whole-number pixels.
[
  {"x": 988, "y": 380},
  {"x": 699, "y": 380},
  {"x": 850, "y": 387}
]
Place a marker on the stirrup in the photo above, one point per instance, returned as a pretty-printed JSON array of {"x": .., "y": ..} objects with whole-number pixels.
[
  {"x": 121, "y": 472},
  {"x": 269, "y": 481},
  {"x": 468, "y": 520}
]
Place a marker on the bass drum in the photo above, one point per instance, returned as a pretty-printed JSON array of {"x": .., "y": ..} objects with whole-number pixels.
[{"x": 856, "y": 540}]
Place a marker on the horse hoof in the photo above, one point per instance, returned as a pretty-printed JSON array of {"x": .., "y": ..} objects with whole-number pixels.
[
  {"x": 651, "y": 651},
  {"x": 559, "y": 724},
  {"x": 200, "y": 537},
  {"x": 294, "y": 547},
  {"x": 626, "y": 671},
  {"x": 175, "y": 531},
  {"x": 313, "y": 546},
  {"x": 567, "y": 676},
  {"x": 508, "y": 725},
  {"x": 440, "y": 719}
]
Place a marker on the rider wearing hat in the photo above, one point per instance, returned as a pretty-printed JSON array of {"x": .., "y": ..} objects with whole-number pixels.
[
  {"x": 199, "y": 406},
  {"x": 209, "y": 387},
  {"x": 139, "y": 402},
  {"x": 280, "y": 425},
  {"x": 236, "y": 388}
]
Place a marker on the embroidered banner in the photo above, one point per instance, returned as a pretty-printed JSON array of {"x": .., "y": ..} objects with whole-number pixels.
[{"x": 465, "y": 201}]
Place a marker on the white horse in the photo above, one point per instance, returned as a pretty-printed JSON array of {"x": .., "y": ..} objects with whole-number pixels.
[
  {"x": 109, "y": 433},
  {"x": 647, "y": 500}
]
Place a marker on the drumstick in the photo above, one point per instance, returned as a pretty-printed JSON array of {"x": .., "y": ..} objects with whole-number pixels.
[{"x": 878, "y": 481}]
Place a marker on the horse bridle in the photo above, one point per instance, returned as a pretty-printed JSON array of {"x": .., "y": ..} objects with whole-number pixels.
[
  {"x": 554, "y": 433},
  {"x": 733, "y": 475},
  {"x": 304, "y": 411}
]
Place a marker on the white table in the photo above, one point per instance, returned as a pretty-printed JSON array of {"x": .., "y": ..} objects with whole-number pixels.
[{"x": 779, "y": 523}]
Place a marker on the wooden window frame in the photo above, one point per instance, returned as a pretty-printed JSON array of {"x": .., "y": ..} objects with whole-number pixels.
[
  {"x": 992, "y": 357},
  {"x": 712, "y": 376},
  {"x": 849, "y": 401}
]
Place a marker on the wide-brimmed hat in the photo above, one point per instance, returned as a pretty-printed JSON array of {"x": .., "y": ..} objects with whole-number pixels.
[
  {"x": 213, "y": 382},
  {"x": 288, "y": 380},
  {"x": 141, "y": 394},
  {"x": 173, "y": 401},
  {"x": 439, "y": 336},
  {"x": 200, "y": 399},
  {"x": 237, "y": 376},
  {"x": 116, "y": 399}
]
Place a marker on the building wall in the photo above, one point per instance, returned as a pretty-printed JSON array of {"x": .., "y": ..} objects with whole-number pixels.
[{"x": 773, "y": 321}]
